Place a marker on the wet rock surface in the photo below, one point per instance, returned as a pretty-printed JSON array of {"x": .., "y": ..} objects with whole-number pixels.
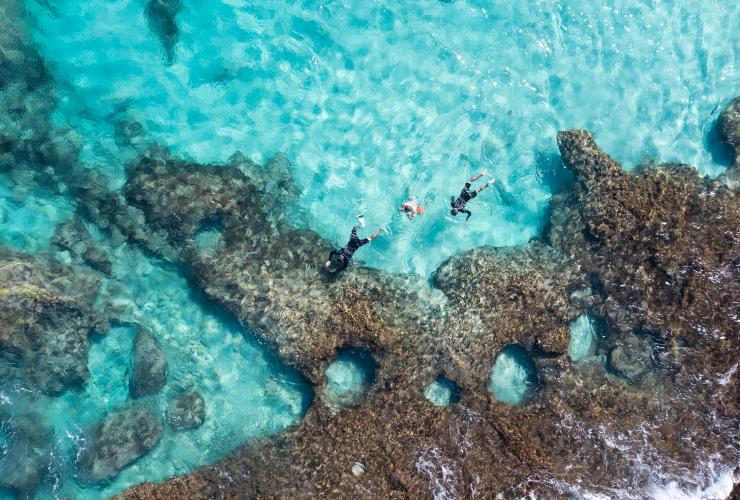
[
  {"x": 653, "y": 255},
  {"x": 492, "y": 289},
  {"x": 148, "y": 365},
  {"x": 266, "y": 272},
  {"x": 117, "y": 441},
  {"x": 186, "y": 411},
  {"x": 46, "y": 315},
  {"x": 729, "y": 129}
]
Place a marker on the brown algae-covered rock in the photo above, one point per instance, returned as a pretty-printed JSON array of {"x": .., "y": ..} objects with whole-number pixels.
[
  {"x": 46, "y": 315},
  {"x": 117, "y": 441},
  {"x": 651, "y": 255}
]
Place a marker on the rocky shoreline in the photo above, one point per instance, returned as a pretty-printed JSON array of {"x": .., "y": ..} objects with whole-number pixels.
[{"x": 654, "y": 255}]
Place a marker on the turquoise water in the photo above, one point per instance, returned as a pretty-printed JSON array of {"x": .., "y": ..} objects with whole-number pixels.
[
  {"x": 441, "y": 392},
  {"x": 247, "y": 393},
  {"x": 584, "y": 335},
  {"x": 513, "y": 375},
  {"x": 369, "y": 99},
  {"x": 348, "y": 378},
  {"x": 28, "y": 219}
]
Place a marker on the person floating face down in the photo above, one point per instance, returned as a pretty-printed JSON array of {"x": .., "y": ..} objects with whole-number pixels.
[
  {"x": 458, "y": 205},
  {"x": 339, "y": 259},
  {"x": 411, "y": 207}
]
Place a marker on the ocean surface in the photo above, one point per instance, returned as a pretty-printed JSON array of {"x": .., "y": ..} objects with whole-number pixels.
[{"x": 369, "y": 100}]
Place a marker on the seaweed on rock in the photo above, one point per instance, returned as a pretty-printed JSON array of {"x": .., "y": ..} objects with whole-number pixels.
[
  {"x": 117, "y": 441},
  {"x": 46, "y": 312},
  {"x": 148, "y": 365},
  {"x": 729, "y": 129}
]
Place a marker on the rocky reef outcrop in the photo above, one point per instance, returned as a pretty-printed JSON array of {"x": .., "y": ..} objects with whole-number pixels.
[
  {"x": 266, "y": 272},
  {"x": 46, "y": 312},
  {"x": 186, "y": 411},
  {"x": 148, "y": 365},
  {"x": 117, "y": 441},
  {"x": 729, "y": 130},
  {"x": 653, "y": 255},
  {"x": 662, "y": 244},
  {"x": 491, "y": 291}
]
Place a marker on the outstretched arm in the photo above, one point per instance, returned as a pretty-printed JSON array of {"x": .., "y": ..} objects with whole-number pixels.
[
  {"x": 484, "y": 186},
  {"x": 375, "y": 234},
  {"x": 476, "y": 177}
]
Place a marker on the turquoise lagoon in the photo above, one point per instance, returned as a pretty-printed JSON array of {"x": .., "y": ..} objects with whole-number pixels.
[{"x": 368, "y": 99}]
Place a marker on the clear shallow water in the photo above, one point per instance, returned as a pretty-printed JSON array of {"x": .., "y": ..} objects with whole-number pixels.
[
  {"x": 28, "y": 219},
  {"x": 348, "y": 377},
  {"x": 513, "y": 375},
  {"x": 247, "y": 392},
  {"x": 369, "y": 99}
]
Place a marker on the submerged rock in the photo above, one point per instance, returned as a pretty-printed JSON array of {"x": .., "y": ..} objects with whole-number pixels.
[
  {"x": 28, "y": 451},
  {"x": 75, "y": 238},
  {"x": 116, "y": 442},
  {"x": 513, "y": 375},
  {"x": 632, "y": 358},
  {"x": 583, "y": 338},
  {"x": 161, "y": 15},
  {"x": 729, "y": 129},
  {"x": 45, "y": 317},
  {"x": 148, "y": 365},
  {"x": 186, "y": 411}
]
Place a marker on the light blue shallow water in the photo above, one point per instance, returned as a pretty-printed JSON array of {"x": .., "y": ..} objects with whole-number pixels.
[
  {"x": 247, "y": 392},
  {"x": 370, "y": 98},
  {"x": 513, "y": 375}
]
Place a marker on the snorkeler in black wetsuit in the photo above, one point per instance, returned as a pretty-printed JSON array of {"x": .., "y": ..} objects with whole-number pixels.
[
  {"x": 458, "y": 205},
  {"x": 339, "y": 259}
]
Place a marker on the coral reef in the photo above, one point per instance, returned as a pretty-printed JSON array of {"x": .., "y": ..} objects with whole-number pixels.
[
  {"x": 148, "y": 365},
  {"x": 46, "y": 313},
  {"x": 117, "y": 441},
  {"x": 186, "y": 411},
  {"x": 651, "y": 255}
]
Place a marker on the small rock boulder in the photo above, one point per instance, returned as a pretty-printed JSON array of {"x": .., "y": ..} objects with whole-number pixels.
[
  {"x": 729, "y": 124},
  {"x": 186, "y": 411},
  {"x": 116, "y": 442},
  {"x": 148, "y": 366}
]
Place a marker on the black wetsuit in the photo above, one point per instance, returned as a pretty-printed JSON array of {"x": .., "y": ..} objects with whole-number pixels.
[
  {"x": 465, "y": 196},
  {"x": 343, "y": 255}
]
